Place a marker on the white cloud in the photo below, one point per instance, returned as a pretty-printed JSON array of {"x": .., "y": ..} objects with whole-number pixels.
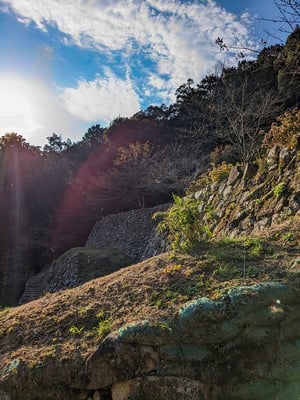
[
  {"x": 180, "y": 35},
  {"x": 102, "y": 99},
  {"x": 177, "y": 36},
  {"x": 156, "y": 82},
  {"x": 31, "y": 108}
]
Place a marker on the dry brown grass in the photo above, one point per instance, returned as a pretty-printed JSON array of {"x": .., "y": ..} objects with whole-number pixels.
[{"x": 41, "y": 332}]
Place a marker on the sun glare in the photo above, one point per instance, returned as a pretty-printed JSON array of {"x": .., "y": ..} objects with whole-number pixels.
[{"x": 18, "y": 107}]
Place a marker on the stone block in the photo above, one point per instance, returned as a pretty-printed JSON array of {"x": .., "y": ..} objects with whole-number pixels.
[
  {"x": 186, "y": 352},
  {"x": 143, "y": 332},
  {"x": 116, "y": 361},
  {"x": 249, "y": 298},
  {"x": 158, "y": 388}
]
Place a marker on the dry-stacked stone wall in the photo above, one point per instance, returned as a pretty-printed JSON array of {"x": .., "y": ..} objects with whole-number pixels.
[{"x": 132, "y": 232}]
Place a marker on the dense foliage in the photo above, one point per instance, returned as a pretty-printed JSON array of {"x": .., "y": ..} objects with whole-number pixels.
[{"x": 50, "y": 197}]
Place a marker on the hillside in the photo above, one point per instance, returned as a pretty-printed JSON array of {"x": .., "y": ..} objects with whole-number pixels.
[
  {"x": 43, "y": 354},
  {"x": 135, "y": 162},
  {"x": 217, "y": 318}
]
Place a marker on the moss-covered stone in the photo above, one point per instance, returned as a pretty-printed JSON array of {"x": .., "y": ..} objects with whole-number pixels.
[
  {"x": 185, "y": 352},
  {"x": 144, "y": 332}
]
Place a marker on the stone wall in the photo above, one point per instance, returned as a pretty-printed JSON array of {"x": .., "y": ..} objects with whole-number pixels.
[
  {"x": 132, "y": 232},
  {"x": 116, "y": 240},
  {"x": 253, "y": 205},
  {"x": 73, "y": 268}
]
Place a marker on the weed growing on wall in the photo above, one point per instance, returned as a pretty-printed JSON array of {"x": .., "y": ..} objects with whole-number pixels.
[
  {"x": 278, "y": 190},
  {"x": 183, "y": 224}
]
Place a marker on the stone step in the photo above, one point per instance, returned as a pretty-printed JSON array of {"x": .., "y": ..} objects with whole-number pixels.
[{"x": 34, "y": 288}]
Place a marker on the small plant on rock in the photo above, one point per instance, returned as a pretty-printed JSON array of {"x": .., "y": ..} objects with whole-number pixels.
[
  {"x": 254, "y": 246},
  {"x": 4, "y": 311},
  {"x": 173, "y": 269},
  {"x": 74, "y": 330},
  {"x": 278, "y": 190}
]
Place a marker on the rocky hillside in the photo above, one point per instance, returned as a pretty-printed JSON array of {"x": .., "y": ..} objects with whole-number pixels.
[
  {"x": 263, "y": 203},
  {"x": 262, "y": 200},
  {"x": 230, "y": 205},
  {"x": 219, "y": 322},
  {"x": 172, "y": 327}
]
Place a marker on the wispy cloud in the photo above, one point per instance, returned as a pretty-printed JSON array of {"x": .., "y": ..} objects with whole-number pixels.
[
  {"x": 101, "y": 99},
  {"x": 148, "y": 48},
  {"x": 179, "y": 35}
]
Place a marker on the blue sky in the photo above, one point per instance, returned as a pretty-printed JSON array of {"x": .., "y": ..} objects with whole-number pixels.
[{"x": 68, "y": 64}]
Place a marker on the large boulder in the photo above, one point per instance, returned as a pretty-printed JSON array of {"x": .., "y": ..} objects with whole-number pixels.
[{"x": 243, "y": 346}]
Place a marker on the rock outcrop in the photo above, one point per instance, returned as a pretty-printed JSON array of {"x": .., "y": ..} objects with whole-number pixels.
[{"x": 244, "y": 345}]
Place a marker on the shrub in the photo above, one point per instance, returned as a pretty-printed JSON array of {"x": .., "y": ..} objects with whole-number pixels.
[
  {"x": 173, "y": 269},
  {"x": 198, "y": 184},
  {"x": 285, "y": 133},
  {"x": 255, "y": 247},
  {"x": 104, "y": 324},
  {"x": 220, "y": 172},
  {"x": 74, "y": 330},
  {"x": 4, "y": 311},
  {"x": 104, "y": 327},
  {"x": 182, "y": 222}
]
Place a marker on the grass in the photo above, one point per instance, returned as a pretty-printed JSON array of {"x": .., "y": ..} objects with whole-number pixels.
[
  {"x": 4, "y": 311},
  {"x": 64, "y": 328}
]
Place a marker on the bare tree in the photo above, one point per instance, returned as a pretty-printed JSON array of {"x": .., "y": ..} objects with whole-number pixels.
[
  {"x": 175, "y": 166},
  {"x": 143, "y": 174},
  {"x": 288, "y": 19},
  {"x": 289, "y": 15},
  {"x": 246, "y": 111}
]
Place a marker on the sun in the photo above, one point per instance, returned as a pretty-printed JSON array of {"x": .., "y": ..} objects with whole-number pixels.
[{"x": 18, "y": 106}]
